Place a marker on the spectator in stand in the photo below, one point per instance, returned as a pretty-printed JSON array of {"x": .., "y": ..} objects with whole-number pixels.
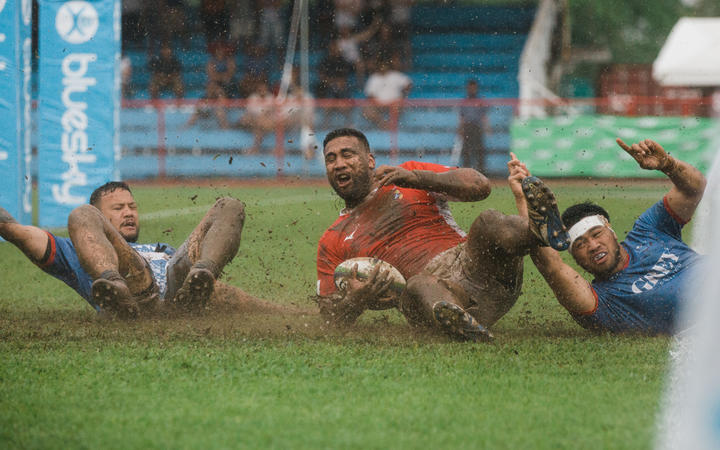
[
  {"x": 259, "y": 115},
  {"x": 400, "y": 20},
  {"x": 213, "y": 103},
  {"x": 347, "y": 13},
  {"x": 216, "y": 20},
  {"x": 166, "y": 73},
  {"x": 133, "y": 22},
  {"x": 322, "y": 18},
  {"x": 272, "y": 32},
  {"x": 220, "y": 69},
  {"x": 257, "y": 70},
  {"x": 474, "y": 126},
  {"x": 349, "y": 44},
  {"x": 168, "y": 21},
  {"x": 334, "y": 72},
  {"x": 243, "y": 22},
  {"x": 386, "y": 89},
  {"x": 126, "y": 87},
  {"x": 374, "y": 10},
  {"x": 382, "y": 47}
]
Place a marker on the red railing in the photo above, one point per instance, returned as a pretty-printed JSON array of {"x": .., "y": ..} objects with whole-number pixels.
[{"x": 620, "y": 105}]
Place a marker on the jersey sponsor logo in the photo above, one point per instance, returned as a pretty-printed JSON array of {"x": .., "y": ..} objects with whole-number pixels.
[
  {"x": 77, "y": 22},
  {"x": 351, "y": 235},
  {"x": 662, "y": 268}
]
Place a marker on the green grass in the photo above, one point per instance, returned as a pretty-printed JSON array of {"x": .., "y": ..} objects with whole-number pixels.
[{"x": 229, "y": 379}]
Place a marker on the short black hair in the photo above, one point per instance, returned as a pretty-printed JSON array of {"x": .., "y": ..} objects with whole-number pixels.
[
  {"x": 110, "y": 186},
  {"x": 575, "y": 213},
  {"x": 352, "y": 132}
]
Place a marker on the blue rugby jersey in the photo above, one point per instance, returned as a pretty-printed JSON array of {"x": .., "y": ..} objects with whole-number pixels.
[
  {"x": 646, "y": 295},
  {"x": 63, "y": 264}
]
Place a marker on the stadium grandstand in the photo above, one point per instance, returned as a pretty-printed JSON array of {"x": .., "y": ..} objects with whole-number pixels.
[{"x": 191, "y": 131}]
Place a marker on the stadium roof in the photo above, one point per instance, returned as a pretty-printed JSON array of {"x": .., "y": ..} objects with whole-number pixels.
[{"x": 691, "y": 54}]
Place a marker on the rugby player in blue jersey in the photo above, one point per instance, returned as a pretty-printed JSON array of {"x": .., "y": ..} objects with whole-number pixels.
[
  {"x": 103, "y": 263},
  {"x": 639, "y": 283}
]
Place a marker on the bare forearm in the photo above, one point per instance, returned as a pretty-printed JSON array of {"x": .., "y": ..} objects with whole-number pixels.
[
  {"x": 686, "y": 178},
  {"x": 465, "y": 184},
  {"x": 571, "y": 290},
  {"x": 29, "y": 239}
]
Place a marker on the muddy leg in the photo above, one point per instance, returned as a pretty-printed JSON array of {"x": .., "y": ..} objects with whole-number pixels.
[
  {"x": 428, "y": 301},
  {"x": 200, "y": 260},
  {"x": 121, "y": 276}
]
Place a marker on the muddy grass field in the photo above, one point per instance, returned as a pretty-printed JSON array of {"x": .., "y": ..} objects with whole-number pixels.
[{"x": 242, "y": 376}]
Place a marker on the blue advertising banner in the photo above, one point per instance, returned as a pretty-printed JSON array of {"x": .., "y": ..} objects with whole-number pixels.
[
  {"x": 15, "y": 104},
  {"x": 78, "y": 103}
]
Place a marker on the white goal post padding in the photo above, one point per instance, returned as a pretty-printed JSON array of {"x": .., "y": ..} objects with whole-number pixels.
[{"x": 690, "y": 415}]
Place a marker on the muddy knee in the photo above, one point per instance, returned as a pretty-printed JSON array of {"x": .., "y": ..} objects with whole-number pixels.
[
  {"x": 82, "y": 216},
  {"x": 495, "y": 232},
  {"x": 421, "y": 293},
  {"x": 232, "y": 208}
]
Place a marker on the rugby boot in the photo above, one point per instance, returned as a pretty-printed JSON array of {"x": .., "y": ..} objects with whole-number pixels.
[
  {"x": 113, "y": 296},
  {"x": 456, "y": 322},
  {"x": 545, "y": 221},
  {"x": 196, "y": 290}
]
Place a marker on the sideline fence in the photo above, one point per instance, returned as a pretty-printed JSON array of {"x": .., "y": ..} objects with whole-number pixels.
[{"x": 262, "y": 138}]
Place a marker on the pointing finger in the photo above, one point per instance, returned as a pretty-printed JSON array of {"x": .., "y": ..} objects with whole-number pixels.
[{"x": 622, "y": 144}]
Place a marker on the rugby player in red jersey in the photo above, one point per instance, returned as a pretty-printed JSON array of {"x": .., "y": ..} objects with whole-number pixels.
[{"x": 461, "y": 283}]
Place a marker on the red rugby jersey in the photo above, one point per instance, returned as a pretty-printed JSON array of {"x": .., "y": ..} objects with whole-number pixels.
[{"x": 404, "y": 227}]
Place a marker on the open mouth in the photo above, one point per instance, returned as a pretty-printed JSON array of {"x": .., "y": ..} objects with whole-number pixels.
[
  {"x": 600, "y": 257},
  {"x": 343, "y": 179}
]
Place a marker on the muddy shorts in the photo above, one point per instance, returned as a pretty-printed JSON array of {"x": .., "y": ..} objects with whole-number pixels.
[{"x": 483, "y": 296}]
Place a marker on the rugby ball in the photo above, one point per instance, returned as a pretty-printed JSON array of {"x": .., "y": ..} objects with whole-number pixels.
[{"x": 365, "y": 266}]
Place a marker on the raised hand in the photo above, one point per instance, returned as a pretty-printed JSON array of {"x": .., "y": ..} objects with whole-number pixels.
[
  {"x": 517, "y": 171},
  {"x": 649, "y": 154}
]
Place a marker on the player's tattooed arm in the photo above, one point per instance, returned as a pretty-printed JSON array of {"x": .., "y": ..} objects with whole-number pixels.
[
  {"x": 6, "y": 217},
  {"x": 464, "y": 184}
]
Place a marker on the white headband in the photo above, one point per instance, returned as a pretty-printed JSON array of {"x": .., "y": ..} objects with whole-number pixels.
[{"x": 584, "y": 224}]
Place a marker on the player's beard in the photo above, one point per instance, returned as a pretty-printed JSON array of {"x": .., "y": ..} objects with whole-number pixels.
[
  {"x": 132, "y": 238},
  {"x": 358, "y": 189},
  {"x": 614, "y": 258}
]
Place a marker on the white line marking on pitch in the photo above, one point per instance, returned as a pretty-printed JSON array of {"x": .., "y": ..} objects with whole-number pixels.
[{"x": 165, "y": 213}]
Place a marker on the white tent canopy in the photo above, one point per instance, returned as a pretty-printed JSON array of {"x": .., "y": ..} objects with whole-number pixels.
[{"x": 691, "y": 54}]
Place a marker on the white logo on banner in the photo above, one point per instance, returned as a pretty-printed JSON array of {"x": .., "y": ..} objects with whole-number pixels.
[
  {"x": 26, "y": 10},
  {"x": 4, "y": 156},
  {"x": 2, "y": 35},
  {"x": 76, "y": 22}
]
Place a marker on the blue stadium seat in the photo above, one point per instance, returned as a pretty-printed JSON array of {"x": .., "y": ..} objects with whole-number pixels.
[
  {"x": 480, "y": 18},
  {"x": 469, "y": 61},
  {"x": 434, "y": 42}
]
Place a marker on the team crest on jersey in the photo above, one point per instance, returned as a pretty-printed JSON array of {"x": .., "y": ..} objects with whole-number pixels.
[{"x": 397, "y": 195}]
